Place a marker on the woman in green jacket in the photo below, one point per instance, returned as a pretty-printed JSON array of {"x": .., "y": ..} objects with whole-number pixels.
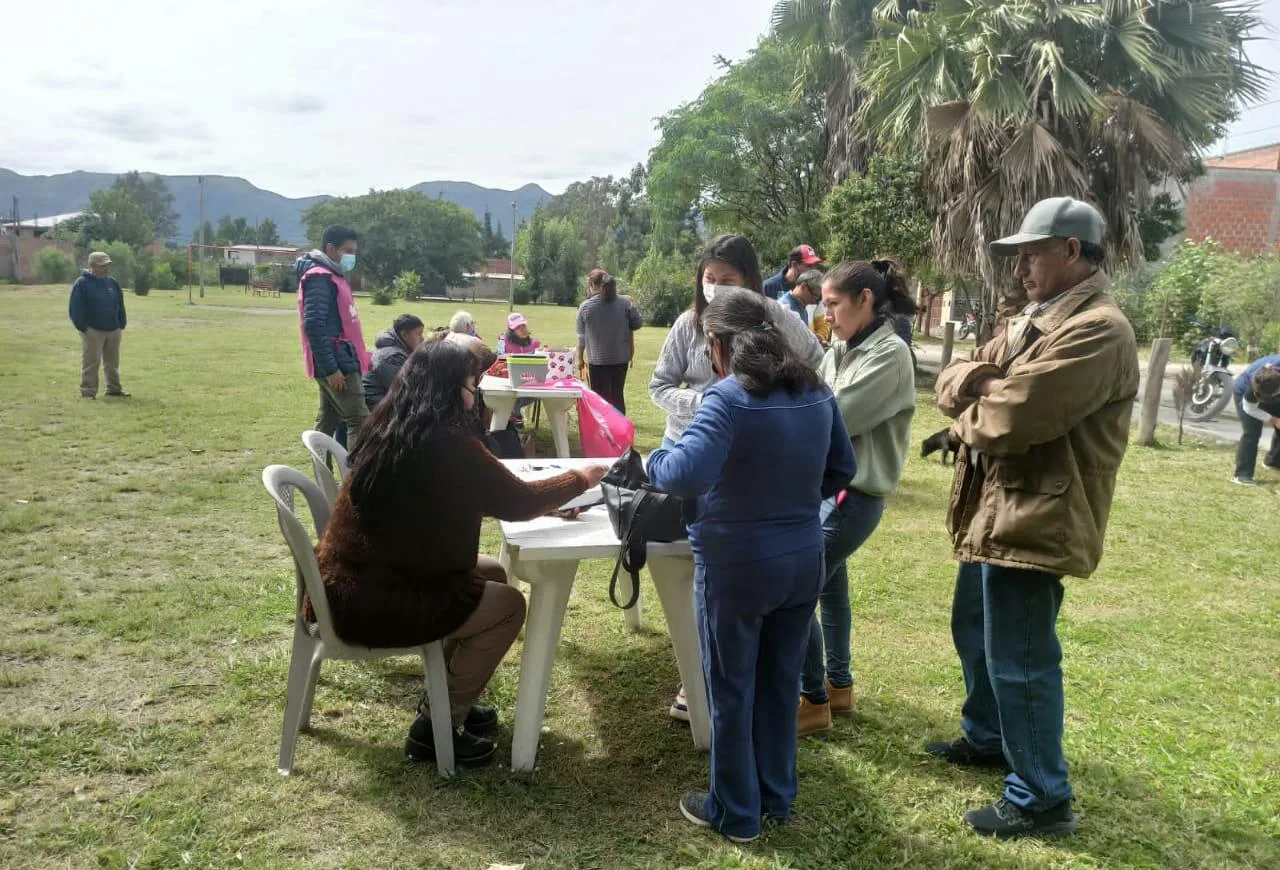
[{"x": 869, "y": 369}]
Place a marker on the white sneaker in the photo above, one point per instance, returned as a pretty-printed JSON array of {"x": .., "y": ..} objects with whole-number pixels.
[
  {"x": 1244, "y": 481},
  {"x": 679, "y": 707}
]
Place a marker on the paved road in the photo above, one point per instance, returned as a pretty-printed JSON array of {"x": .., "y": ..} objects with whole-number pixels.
[{"x": 1225, "y": 427}]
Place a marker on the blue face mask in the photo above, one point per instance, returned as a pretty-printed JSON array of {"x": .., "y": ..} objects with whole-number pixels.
[{"x": 348, "y": 262}]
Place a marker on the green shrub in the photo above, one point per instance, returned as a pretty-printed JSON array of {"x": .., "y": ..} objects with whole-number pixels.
[
  {"x": 407, "y": 286},
  {"x": 380, "y": 295},
  {"x": 54, "y": 266},
  {"x": 521, "y": 294},
  {"x": 144, "y": 268},
  {"x": 162, "y": 277},
  {"x": 663, "y": 288}
]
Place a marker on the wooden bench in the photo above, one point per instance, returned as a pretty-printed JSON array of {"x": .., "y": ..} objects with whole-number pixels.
[{"x": 264, "y": 288}]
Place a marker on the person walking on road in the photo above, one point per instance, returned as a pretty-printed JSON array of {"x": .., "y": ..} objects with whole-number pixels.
[{"x": 97, "y": 312}]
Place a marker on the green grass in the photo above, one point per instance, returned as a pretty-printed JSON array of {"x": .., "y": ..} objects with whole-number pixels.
[{"x": 146, "y": 628}]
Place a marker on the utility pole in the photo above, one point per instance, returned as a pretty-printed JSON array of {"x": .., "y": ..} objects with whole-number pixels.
[
  {"x": 200, "y": 259},
  {"x": 511, "y": 270}
]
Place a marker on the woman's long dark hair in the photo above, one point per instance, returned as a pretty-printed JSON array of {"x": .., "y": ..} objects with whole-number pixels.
[
  {"x": 759, "y": 355},
  {"x": 885, "y": 278},
  {"x": 425, "y": 398},
  {"x": 738, "y": 253}
]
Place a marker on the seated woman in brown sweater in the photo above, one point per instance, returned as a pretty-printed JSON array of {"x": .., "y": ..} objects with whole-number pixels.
[{"x": 399, "y": 556}]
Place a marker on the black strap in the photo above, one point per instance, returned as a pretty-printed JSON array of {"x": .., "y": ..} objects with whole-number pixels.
[{"x": 632, "y": 556}]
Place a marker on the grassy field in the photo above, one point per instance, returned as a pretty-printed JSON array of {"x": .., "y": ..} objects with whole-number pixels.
[{"x": 146, "y": 624}]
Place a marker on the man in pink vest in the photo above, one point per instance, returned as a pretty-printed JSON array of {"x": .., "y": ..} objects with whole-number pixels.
[{"x": 332, "y": 345}]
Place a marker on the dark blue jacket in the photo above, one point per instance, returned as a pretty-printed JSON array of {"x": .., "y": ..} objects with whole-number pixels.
[
  {"x": 1244, "y": 383},
  {"x": 754, "y": 501},
  {"x": 320, "y": 318},
  {"x": 97, "y": 303},
  {"x": 791, "y": 303},
  {"x": 777, "y": 285}
]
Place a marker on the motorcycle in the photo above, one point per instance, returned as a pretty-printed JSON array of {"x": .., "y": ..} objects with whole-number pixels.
[
  {"x": 968, "y": 326},
  {"x": 1213, "y": 387}
]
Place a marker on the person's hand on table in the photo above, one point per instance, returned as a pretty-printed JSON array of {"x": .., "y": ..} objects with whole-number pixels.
[
  {"x": 337, "y": 381},
  {"x": 594, "y": 473}
]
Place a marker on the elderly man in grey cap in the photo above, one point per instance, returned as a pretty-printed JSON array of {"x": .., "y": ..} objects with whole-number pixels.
[
  {"x": 97, "y": 312},
  {"x": 1041, "y": 425}
]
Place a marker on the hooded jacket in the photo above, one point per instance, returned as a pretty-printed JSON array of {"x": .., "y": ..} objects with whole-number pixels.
[{"x": 389, "y": 354}]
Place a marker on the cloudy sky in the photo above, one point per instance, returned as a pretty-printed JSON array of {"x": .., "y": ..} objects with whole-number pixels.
[{"x": 334, "y": 96}]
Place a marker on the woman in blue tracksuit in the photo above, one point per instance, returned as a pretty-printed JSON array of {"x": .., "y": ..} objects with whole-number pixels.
[{"x": 757, "y": 550}]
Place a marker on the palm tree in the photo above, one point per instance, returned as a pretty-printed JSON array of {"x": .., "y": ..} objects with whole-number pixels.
[{"x": 1012, "y": 102}]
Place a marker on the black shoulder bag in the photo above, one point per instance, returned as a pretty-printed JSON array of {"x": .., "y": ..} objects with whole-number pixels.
[{"x": 639, "y": 514}]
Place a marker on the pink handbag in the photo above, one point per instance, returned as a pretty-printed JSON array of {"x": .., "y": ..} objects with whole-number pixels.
[{"x": 605, "y": 431}]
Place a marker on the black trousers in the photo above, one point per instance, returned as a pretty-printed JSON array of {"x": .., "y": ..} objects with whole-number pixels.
[
  {"x": 610, "y": 381},
  {"x": 1247, "y": 449}
]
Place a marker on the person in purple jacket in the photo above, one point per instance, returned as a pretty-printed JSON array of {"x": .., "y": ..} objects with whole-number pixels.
[{"x": 757, "y": 550}]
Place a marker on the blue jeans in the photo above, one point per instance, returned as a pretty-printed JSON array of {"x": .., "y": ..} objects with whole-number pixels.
[
  {"x": 1251, "y": 429},
  {"x": 1003, "y": 624},
  {"x": 844, "y": 530},
  {"x": 752, "y": 622},
  {"x": 340, "y": 434}
]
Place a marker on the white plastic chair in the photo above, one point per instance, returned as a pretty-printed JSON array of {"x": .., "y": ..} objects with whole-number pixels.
[
  {"x": 312, "y": 644},
  {"x": 322, "y": 447}
]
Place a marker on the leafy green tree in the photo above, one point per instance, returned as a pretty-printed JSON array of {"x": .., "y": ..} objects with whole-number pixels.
[
  {"x": 267, "y": 233},
  {"x": 1243, "y": 291},
  {"x": 1174, "y": 297},
  {"x": 151, "y": 192},
  {"x": 592, "y": 206},
  {"x": 233, "y": 231},
  {"x": 115, "y": 217},
  {"x": 54, "y": 266},
  {"x": 881, "y": 211},
  {"x": 662, "y": 287},
  {"x": 631, "y": 235},
  {"x": 745, "y": 155},
  {"x": 551, "y": 254},
  {"x": 208, "y": 236},
  {"x": 495, "y": 244},
  {"x": 1160, "y": 220},
  {"x": 404, "y": 230}
]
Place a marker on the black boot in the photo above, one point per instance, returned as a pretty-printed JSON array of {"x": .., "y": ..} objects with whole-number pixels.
[
  {"x": 963, "y": 753},
  {"x": 468, "y": 749},
  {"x": 482, "y": 721}
]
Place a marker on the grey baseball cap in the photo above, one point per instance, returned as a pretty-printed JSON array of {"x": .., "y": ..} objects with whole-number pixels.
[{"x": 1058, "y": 218}]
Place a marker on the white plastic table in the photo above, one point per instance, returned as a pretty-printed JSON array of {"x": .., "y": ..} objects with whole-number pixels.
[
  {"x": 500, "y": 397},
  {"x": 545, "y": 554}
]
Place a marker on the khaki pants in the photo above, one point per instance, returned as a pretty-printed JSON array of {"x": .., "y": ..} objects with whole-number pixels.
[
  {"x": 342, "y": 406},
  {"x": 474, "y": 651},
  {"x": 99, "y": 347}
]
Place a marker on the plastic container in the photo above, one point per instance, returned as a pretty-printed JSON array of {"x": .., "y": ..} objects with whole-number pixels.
[{"x": 527, "y": 370}]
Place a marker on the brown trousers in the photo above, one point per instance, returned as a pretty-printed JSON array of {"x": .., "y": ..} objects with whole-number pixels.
[
  {"x": 474, "y": 651},
  {"x": 99, "y": 347}
]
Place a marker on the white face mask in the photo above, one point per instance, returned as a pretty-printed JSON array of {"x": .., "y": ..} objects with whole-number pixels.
[{"x": 709, "y": 291}]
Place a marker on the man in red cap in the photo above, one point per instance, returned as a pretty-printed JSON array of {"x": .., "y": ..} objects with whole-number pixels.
[{"x": 802, "y": 257}]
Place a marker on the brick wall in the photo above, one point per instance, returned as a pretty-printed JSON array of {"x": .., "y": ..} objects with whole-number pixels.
[
  {"x": 28, "y": 246},
  {"x": 1238, "y": 207},
  {"x": 1266, "y": 157}
]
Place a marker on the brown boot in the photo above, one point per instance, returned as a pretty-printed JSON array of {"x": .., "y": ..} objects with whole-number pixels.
[
  {"x": 841, "y": 698},
  {"x": 812, "y": 718}
]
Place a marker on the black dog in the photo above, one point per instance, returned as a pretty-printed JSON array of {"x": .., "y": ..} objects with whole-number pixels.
[{"x": 942, "y": 440}]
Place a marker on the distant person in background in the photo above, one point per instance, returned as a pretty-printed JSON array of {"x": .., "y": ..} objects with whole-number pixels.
[
  {"x": 391, "y": 348},
  {"x": 1257, "y": 394},
  {"x": 97, "y": 312},
  {"x": 332, "y": 344},
  {"x": 517, "y": 338},
  {"x": 808, "y": 291},
  {"x": 463, "y": 323},
  {"x": 802, "y": 257},
  {"x": 607, "y": 327}
]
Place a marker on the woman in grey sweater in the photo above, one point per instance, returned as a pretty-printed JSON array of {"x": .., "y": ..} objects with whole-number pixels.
[{"x": 683, "y": 369}]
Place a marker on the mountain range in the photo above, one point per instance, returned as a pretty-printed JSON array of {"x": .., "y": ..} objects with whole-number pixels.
[{"x": 228, "y": 195}]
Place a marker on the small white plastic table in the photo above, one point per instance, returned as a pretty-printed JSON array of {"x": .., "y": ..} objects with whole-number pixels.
[
  {"x": 545, "y": 554},
  {"x": 500, "y": 397}
]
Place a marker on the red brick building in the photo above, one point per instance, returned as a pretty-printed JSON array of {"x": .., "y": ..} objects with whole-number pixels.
[{"x": 1237, "y": 201}]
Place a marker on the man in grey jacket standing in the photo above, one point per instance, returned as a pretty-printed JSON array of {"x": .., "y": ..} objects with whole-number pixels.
[{"x": 97, "y": 312}]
